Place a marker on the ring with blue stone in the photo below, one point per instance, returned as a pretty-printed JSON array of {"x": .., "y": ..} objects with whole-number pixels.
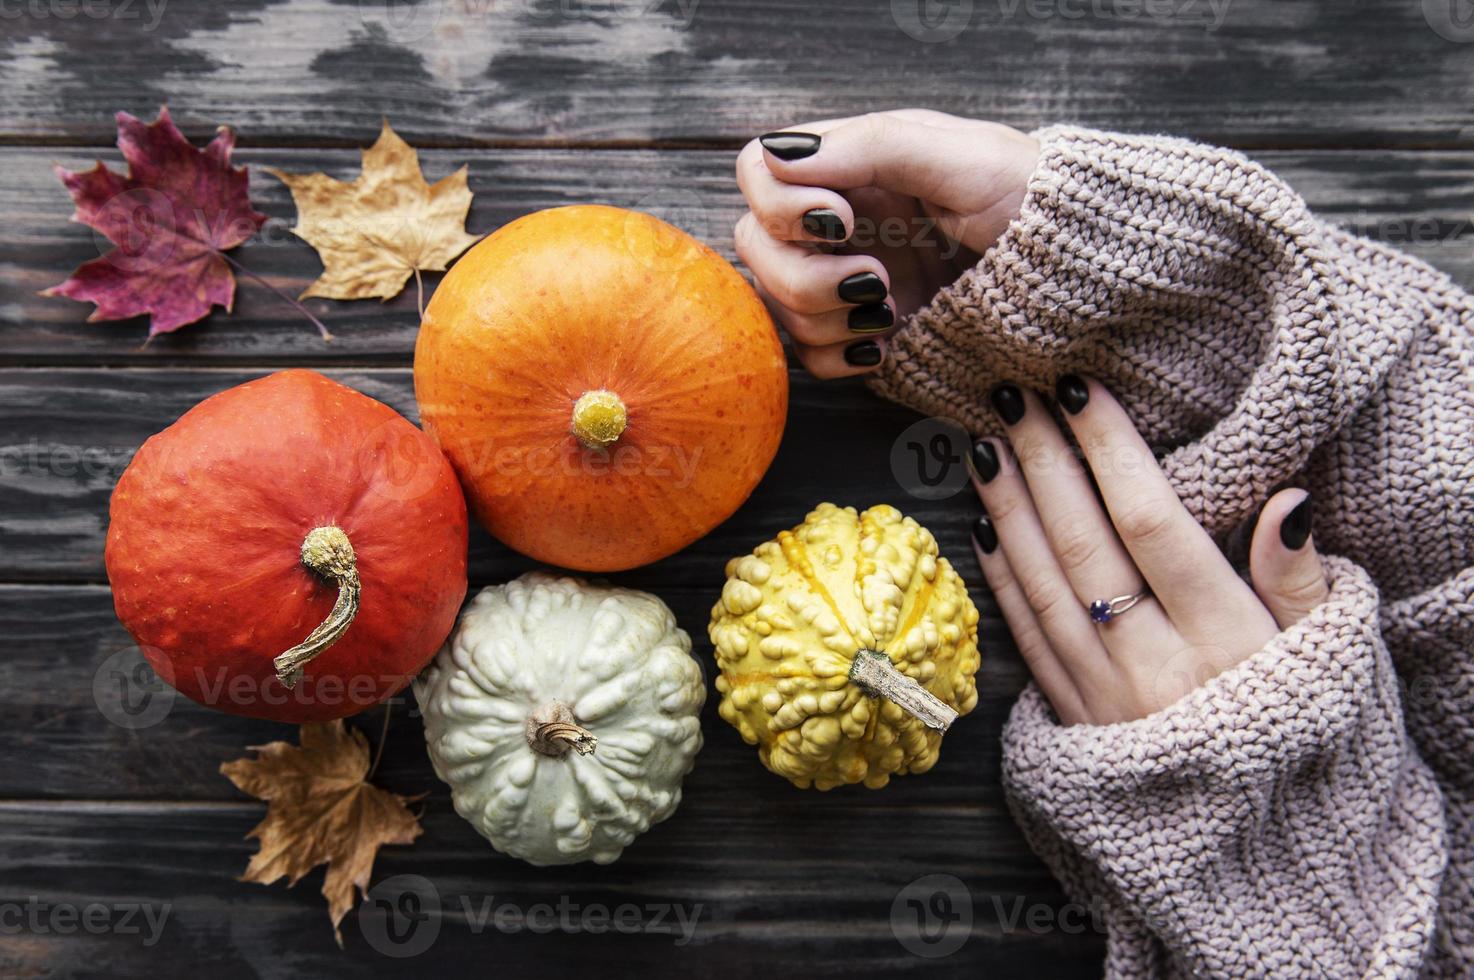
[{"x": 1105, "y": 610}]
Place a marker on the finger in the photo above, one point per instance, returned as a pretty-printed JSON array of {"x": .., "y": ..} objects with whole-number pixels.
[
  {"x": 1187, "y": 573},
  {"x": 1283, "y": 564},
  {"x": 933, "y": 117},
  {"x": 879, "y": 149},
  {"x": 781, "y": 208},
  {"x": 842, "y": 360},
  {"x": 1043, "y": 663},
  {"x": 837, "y": 326},
  {"x": 872, "y": 321},
  {"x": 1080, "y": 534},
  {"x": 1021, "y": 537},
  {"x": 802, "y": 279}
]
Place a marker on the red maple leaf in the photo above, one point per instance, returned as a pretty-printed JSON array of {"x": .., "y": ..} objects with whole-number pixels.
[{"x": 171, "y": 218}]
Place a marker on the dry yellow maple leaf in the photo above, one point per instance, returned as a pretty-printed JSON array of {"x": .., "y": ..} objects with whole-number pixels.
[
  {"x": 385, "y": 226},
  {"x": 321, "y": 811}
]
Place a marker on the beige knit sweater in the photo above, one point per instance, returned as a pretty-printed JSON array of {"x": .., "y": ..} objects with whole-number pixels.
[{"x": 1310, "y": 812}]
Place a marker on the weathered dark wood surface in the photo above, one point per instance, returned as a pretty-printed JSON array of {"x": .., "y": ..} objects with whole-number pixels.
[
  {"x": 1364, "y": 107},
  {"x": 1418, "y": 200},
  {"x": 467, "y": 72}
]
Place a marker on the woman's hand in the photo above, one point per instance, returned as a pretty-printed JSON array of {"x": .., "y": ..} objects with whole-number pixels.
[
  {"x": 1049, "y": 549},
  {"x": 855, "y": 223}
]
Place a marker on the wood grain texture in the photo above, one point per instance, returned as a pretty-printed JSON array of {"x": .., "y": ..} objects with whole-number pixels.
[
  {"x": 67, "y": 433},
  {"x": 1248, "y": 72},
  {"x": 115, "y": 797},
  {"x": 74, "y": 691},
  {"x": 1420, "y": 202},
  {"x": 111, "y": 792},
  {"x": 785, "y": 890}
]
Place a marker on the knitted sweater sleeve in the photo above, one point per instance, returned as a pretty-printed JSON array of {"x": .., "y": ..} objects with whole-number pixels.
[
  {"x": 1275, "y": 822},
  {"x": 1288, "y": 817}
]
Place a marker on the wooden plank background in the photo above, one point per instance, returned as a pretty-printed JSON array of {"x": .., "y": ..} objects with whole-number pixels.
[{"x": 1364, "y": 106}]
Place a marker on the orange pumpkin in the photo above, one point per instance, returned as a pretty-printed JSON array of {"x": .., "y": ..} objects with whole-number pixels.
[
  {"x": 289, "y": 549},
  {"x": 607, "y": 388}
]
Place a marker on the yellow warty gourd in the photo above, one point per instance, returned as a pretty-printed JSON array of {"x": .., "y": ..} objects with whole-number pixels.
[{"x": 846, "y": 647}]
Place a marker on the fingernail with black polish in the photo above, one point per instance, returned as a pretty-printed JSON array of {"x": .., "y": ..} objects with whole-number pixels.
[
  {"x": 1072, "y": 392},
  {"x": 984, "y": 535},
  {"x": 824, "y": 223},
  {"x": 865, "y": 353},
  {"x": 862, "y": 287},
  {"x": 1008, "y": 402},
  {"x": 790, "y": 146},
  {"x": 984, "y": 460},
  {"x": 1295, "y": 528},
  {"x": 871, "y": 319}
]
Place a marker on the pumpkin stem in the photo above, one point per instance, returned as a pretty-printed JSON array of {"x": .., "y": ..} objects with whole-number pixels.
[
  {"x": 551, "y": 730},
  {"x": 874, "y": 674},
  {"x": 599, "y": 418},
  {"x": 327, "y": 552}
]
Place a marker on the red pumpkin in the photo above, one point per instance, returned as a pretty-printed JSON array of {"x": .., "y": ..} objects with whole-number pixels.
[
  {"x": 288, "y": 516},
  {"x": 607, "y": 388}
]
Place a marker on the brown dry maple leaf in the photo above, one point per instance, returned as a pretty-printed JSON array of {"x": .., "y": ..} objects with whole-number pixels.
[
  {"x": 385, "y": 226},
  {"x": 321, "y": 811},
  {"x": 171, "y": 218}
]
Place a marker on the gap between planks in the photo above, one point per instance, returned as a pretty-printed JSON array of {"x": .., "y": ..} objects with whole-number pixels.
[
  {"x": 1370, "y": 143},
  {"x": 21, "y": 805}
]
